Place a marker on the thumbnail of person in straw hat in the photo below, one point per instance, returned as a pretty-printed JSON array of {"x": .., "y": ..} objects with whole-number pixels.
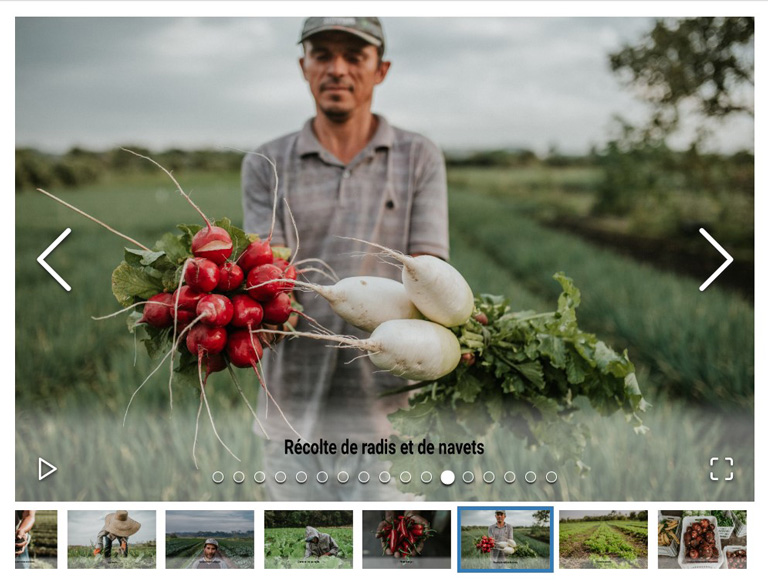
[{"x": 117, "y": 526}]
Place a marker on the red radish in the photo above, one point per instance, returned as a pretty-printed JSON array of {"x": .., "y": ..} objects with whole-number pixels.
[
  {"x": 263, "y": 282},
  {"x": 213, "y": 243},
  {"x": 244, "y": 349},
  {"x": 215, "y": 310},
  {"x": 157, "y": 311},
  {"x": 231, "y": 276},
  {"x": 187, "y": 298},
  {"x": 201, "y": 274},
  {"x": 278, "y": 309},
  {"x": 255, "y": 254},
  {"x": 183, "y": 317},
  {"x": 213, "y": 363},
  {"x": 203, "y": 339},
  {"x": 289, "y": 271},
  {"x": 247, "y": 311}
]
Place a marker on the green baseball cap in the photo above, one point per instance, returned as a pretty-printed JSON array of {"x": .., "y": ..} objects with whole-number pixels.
[{"x": 367, "y": 28}]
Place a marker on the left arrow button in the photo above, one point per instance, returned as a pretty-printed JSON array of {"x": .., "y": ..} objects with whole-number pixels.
[
  {"x": 46, "y": 252},
  {"x": 43, "y": 465}
]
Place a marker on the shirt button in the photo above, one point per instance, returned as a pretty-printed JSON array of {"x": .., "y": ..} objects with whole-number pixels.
[{"x": 346, "y": 174}]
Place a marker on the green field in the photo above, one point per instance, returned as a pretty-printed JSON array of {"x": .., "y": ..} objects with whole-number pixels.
[
  {"x": 43, "y": 548},
  {"x": 140, "y": 556},
  {"x": 181, "y": 552},
  {"x": 284, "y": 549},
  {"x": 472, "y": 558},
  {"x": 75, "y": 376},
  {"x": 604, "y": 545}
]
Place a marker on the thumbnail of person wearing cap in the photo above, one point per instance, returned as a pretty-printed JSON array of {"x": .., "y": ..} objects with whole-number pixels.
[
  {"x": 318, "y": 544},
  {"x": 211, "y": 558},
  {"x": 117, "y": 526},
  {"x": 25, "y": 520},
  {"x": 500, "y": 532},
  {"x": 346, "y": 173}
]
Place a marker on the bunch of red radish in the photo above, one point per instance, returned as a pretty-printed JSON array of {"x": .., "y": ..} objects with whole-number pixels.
[
  {"x": 485, "y": 544},
  {"x": 403, "y": 536},
  {"x": 221, "y": 302}
]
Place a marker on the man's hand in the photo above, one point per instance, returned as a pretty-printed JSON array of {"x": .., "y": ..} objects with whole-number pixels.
[
  {"x": 269, "y": 339},
  {"x": 22, "y": 540},
  {"x": 389, "y": 521}
]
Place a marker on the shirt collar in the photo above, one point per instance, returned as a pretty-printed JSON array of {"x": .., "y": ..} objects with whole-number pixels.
[{"x": 307, "y": 143}]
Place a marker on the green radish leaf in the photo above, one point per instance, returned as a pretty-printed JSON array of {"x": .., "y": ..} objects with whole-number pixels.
[
  {"x": 283, "y": 253},
  {"x": 528, "y": 371},
  {"x": 129, "y": 283},
  {"x": 140, "y": 257},
  {"x": 240, "y": 240},
  {"x": 157, "y": 341},
  {"x": 175, "y": 248}
]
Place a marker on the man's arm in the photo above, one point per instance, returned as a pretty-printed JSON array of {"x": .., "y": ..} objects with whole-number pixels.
[
  {"x": 258, "y": 182},
  {"x": 334, "y": 547},
  {"x": 26, "y": 523},
  {"x": 429, "y": 215}
]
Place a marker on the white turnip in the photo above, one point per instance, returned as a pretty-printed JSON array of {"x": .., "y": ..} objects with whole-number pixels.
[{"x": 436, "y": 288}]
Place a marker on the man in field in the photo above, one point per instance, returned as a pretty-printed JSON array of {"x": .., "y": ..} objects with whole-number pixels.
[
  {"x": 117, "y": 526},
  {"x": 500, "y": 532},
  {"x": 211, "y": 558},
  {"x": 348, "y": 172},
  {"x": 319, "y": 544}
]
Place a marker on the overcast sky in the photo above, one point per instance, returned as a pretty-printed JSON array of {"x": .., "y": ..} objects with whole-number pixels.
[
  {"x": 209, "y": 521},
  {"x": 488, "y": 517},
  {"x": 84, "y": 525},
  {"x": 214, "y": 82}
]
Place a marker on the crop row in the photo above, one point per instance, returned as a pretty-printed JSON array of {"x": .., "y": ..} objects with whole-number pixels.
[
  {"x": 607, "y": 541},
  {"x": 699, "y": 345},
  {"x": 630, "y": 529}
]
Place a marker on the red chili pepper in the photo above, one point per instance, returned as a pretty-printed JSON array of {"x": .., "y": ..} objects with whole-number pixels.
[{"x": 393, "y": 540}]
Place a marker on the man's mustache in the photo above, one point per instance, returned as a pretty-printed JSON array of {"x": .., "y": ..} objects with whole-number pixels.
[{"x": 335, "y": 85}]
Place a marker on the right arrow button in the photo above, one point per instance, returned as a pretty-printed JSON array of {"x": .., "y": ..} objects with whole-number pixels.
[{"x": 723, "y": 252}]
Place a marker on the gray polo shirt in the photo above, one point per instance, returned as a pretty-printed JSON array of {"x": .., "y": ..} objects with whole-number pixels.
[
  {"x": 502, "y": 534},
  {"x": 392, "y": 193}
]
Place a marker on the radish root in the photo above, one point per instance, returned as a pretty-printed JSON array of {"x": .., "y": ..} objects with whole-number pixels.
[
  {"x": 89, "y": 217},
  {"x": 173, "y": 179},
  {"x": 245, "y": 399},
  {"x": 129, "y": 308},
  {"x": 208, "y": 407}
]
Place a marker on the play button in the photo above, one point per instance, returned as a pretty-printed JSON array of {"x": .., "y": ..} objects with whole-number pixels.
[{"x": 44, "y": 469}]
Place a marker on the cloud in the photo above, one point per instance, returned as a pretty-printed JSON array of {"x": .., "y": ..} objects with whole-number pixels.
[
  {"x": 202, "y": 521},
  {"x": 191, "y": 82}
]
